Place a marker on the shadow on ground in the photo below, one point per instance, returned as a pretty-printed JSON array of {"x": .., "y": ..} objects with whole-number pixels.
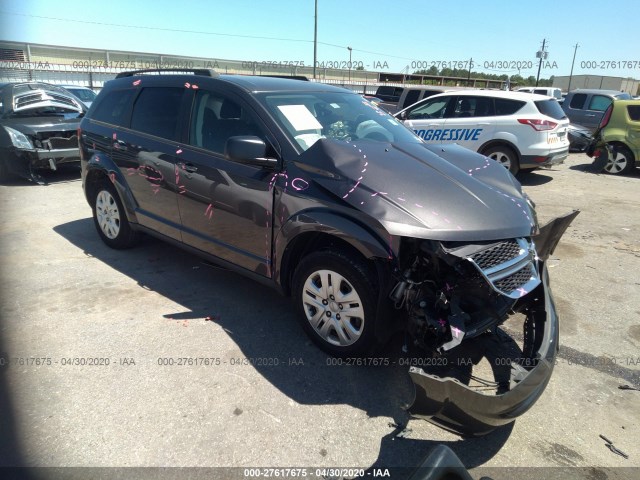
[{"x": 263, "y": 325}]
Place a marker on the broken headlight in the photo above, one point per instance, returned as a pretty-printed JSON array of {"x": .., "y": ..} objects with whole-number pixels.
[{"x": 18, "y": 139}]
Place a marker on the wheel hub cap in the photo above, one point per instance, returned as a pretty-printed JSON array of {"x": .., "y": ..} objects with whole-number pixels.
[{"x": 333, "y": 308}]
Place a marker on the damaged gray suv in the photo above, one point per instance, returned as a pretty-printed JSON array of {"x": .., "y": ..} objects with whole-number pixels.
[{"x": 322, "y": 195}]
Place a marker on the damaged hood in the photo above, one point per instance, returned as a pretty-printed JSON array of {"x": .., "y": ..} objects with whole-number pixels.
[{"x": 440, "y": 193}]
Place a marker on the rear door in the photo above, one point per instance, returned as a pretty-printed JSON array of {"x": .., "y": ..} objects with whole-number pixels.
[
  {"x": 471, "y": 122},
  {"x": 575, "y": 108},
  {"x": 427, "y": 118},
  {"x": 147, "y": 155}
]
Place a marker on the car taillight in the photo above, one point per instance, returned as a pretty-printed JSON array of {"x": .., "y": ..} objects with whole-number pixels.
[
  {"x": 539, "y": 125},
  {"x": 606, "y": 117}
]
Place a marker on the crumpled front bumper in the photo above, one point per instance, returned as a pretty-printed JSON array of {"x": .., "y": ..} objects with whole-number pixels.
[
  {"x": 24, "y": 162},
  {"x": 450, "y": 404}
]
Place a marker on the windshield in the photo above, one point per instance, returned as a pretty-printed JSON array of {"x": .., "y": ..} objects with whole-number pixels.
[
  {"x": 309, "y": 117},
  {"x": 623, "y": 96}
]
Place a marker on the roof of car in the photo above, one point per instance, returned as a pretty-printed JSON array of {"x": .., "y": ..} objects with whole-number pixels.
[
  {"x": 495, "y": 93},
  {"x": 596, "y": 90},
  {"x": 274, "y": 84}
]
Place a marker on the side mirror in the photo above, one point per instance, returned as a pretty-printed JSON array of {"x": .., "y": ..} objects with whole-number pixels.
[
  {"x": 250, "y": 150},
  {"x": 402, "y": 115}
]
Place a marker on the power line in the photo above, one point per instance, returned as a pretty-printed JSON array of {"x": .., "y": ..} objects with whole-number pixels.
[{"x": 198, "y": 32}]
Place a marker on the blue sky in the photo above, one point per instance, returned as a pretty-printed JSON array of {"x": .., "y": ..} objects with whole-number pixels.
[{"x": 393, "y": 34}]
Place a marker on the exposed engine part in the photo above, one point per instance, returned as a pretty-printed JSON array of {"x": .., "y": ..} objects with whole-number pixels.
[{"x": 454, "y": 291}]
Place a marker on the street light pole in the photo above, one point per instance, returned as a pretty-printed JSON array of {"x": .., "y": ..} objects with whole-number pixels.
[
  {"x": 350, "y": 49},
  {"x": 315, "y": 40},
  {"x": 575, "y": 49},
  {"x": 542, "y": 55}
]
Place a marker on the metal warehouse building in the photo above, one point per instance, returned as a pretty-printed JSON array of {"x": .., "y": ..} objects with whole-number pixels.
[
  {"x": 597, "y": 81},
  {"x": 93, "y": 67}
]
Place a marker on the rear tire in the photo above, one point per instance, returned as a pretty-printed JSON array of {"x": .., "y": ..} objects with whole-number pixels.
[
  {"x": 336, "y": 303},
  {"x": 505, "y": 156},
  {"x": 110, "y": 218},
  {"x": 622, "y": 163}
]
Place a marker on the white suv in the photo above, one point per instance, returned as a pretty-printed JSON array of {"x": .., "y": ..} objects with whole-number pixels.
[{"x": 522, "y": 131}]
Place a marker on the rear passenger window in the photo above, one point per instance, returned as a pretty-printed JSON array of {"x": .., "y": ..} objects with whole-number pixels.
[
  {"x": 473, "y": 107},
  {"x": 578, "y": 100},
  {"x": 599, "y": 103},
  {"x": 507, "y": 107},
  {"x": 156, "y": 111},
  {"x": 634, "y": 112},
  {"x": 113, "y": 108}
]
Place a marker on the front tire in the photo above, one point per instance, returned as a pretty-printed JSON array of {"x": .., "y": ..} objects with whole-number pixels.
[
  {"x": 505, "y": 156},
  {"x": 622, "y": 162},
  {"x": 110, "y": 218},
  {"x": 335, "y": 299}
]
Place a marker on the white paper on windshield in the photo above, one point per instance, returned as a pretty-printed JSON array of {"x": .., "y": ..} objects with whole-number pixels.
[{"x": 300, "y": 117}]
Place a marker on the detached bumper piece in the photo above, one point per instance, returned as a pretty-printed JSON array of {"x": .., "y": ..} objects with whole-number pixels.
[{"x": 443, "y": 397}]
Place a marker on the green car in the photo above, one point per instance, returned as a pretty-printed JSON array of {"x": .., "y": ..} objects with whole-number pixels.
[{"x": 619, "y": 131}]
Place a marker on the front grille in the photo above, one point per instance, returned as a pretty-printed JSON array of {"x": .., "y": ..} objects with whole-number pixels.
[
  {"x": 508, "y": 266},
  {"x": 514, "y": 282},
  {"x": 497, "y": 254}
]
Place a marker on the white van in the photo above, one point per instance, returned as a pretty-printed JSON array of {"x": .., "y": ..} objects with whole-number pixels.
[{"x": 548, "y": 91}]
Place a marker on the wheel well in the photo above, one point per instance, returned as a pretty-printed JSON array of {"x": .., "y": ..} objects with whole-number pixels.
[
  {"x": 93, "y": 180},
  {"x": 309, "y": 242},
  {"x": 620, "y": 144},
  {"x": 499, "y": 143}
]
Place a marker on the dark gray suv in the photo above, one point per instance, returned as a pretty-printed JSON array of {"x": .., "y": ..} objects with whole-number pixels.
[
  {"x": 322, "y": 195},
  {"x": 586, "y": 106}
]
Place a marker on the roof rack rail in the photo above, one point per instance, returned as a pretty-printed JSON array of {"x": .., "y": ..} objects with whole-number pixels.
[
  {"x": 291, "y": 77},
  {"x": 204, "y": 72}
]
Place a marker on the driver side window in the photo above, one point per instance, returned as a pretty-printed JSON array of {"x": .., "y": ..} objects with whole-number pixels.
[
  {"x": 433, "y": 108},
  {"x": 215, "y": 118}
]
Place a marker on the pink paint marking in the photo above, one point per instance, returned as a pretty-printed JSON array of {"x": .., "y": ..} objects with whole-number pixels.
[
  {"x": 447, "y": 220},
  {"x": 456, "y": 331},
  {"x": 155, "y": 189},
  {"x": 114, "y": 135},
  {"x": 418, "y": 205},
  {"x": 112, "y": 176},
  {"x": 522, "y": 291},
  {"x": 401, "y": 199},
  {"x": 195, "y": 87},
  {"x": 182, "y": 188},
  {"x": 187, "y": 84},
  {"x": 179, "y": 151},
  {"x": 442, "y": 322},
  {"x": 209, "y": 211},
  {"x": 375, "y": 194},
  {"x": 302, "y": 184},
  {"x": 131, "y": 171},
  {"x": 137, "y": 82}
]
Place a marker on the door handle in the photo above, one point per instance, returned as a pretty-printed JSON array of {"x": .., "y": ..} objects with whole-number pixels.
[
  {"x": 590, "y": 115},
  {"x": 188, "y": 167}
]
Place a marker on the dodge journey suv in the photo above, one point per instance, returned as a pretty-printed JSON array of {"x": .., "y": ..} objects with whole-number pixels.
[{"x": 317, "y": 192}]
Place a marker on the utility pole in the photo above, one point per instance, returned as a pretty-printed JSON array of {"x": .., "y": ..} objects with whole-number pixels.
[
  {"x": 350, "y": 50},
  {"x": 315, "y": 40},
  {"x": 542, "y": 55},
  {"x": 575, "y": 49},
  {"x": 469, "y": 74}
]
